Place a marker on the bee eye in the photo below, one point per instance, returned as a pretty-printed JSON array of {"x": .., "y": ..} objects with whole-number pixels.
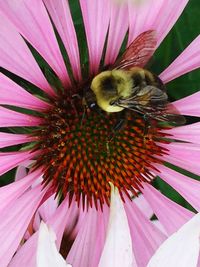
[{"x": 92, "y": 105}]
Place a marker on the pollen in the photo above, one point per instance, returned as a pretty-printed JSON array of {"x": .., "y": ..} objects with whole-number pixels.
[{"x": 82, "y": 152}]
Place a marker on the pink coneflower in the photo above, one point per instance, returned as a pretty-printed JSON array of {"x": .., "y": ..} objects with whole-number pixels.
[{"x": 66, "y": 166}]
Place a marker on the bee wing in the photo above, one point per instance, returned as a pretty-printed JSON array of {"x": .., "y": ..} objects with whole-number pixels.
[
  {"x": 139, "y": 51},
  {"x": 172, "y": 115},
  {"x": 148, "y": 96},
  {"x": 152, "y": 102}
]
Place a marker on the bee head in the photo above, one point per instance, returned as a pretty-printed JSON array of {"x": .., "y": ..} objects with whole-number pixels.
[{"x": 109, "y": 86}]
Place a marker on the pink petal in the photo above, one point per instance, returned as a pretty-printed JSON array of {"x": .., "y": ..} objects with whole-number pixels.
[
  {"x": 87, "y": 247},
  {"x": 184, "y": 155},
  {"x": 159, "y": 226},
  {"x": 186, "y": 150},
  {"x": 189, "y": 133},
  {"x": 15, "y": 220},
  {"x": 21, "y": 172},
  {"x": 180, "y": 249},
  {"x": 26, "y": 255},
  {"x": 59, "y": 218},
  {"x": 142, "y": 17},
  {"x": 144, "y": 206},
  {"x": 187, "y": 61},
  {"x": 168, "y": 15},
  {"x": 13, "y": 94},
  {"x": 185, "y": 186},
  {"x": 63, "y": 216},
  {"x": 22, "y": 169},
  {"x": 189, "y": 105},
  {"x": 96, "y": 16},
  {"x": 32, "y": 21},
  {"x": 9, "y": 118},
  {"x": 61, "y": 16},
  {"x": 146, "y": 238},
  {"x": 10, "y": 193},
  {"x": 117, "y": 250},
  {"x": 9, "y": 160},
  {"x": 171, "y": 215},
  {"x": 16, "y": 57},
  {"x": 8, "y": 139},
  {"x": 48, "y": 208},
  {"x": 117, "y": 31},
  {"x": 47, "y": 253},
  {"x": 156, "y": 15}
]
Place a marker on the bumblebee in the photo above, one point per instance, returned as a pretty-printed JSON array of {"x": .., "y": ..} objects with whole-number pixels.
[{"x": 128, "y": 86}]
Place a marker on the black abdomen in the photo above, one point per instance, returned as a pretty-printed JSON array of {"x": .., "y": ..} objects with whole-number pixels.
[{"x": 142, "y": 78}]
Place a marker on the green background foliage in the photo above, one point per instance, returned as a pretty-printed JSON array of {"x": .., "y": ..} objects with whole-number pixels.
[{"x": 184, "y": 31}]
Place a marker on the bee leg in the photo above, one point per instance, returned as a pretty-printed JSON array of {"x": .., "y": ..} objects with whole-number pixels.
[
  {"x": 147, "y": 126},
  {"x": 73, "y": 102},
  {"x": 96, "y": 108},
  {"x": 118, "y": 126},
  {"x": 108, "y": 148},
  {"x": 84, "y": 114},
  {"x": 120, "y": 122}
]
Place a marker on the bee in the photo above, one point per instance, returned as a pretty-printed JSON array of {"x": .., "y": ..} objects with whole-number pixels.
[{"x": 126, "y": 85}]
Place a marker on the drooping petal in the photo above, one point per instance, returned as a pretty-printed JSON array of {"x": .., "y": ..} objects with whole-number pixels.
[
  {"x": 117, "y": 31},
  {"x": 187, "y": 187},
  {"x": 8, "y": 139},
  {"x": 187, "y": 61},
  {"x": 45, "y": 211},
  {"x": 48, "y": 208},
  {"x": 189, "y": 133},
  {"x": 180, "y": 249},
  {"x": 31, "y": 20},
  {"x": 10, "y": 118},
  {"x": 47, "y": 253},
  {"x": 85, "y": 252},
  {"x": 26, "y": 255},
  {"x": 63, "y": 216},
  {"x": 117, "y": 250},
  {"x": 20, "y": 213},
  {"x": 10, "y": 193},
  {"x": 189, "y": 105},
  {"x": 61, "y": 16},
  {"x": 171, "y": 215},
  {"x": 96, "y": 16},
  {"x": 154, "y": 15},
  {"x": 16, "y": 57},
  {"x": 146, "y": 237},
  {"x": 13, "y": 94},
  {"x": 22, "y": 170},
  {"x": 9, "y": 160}
]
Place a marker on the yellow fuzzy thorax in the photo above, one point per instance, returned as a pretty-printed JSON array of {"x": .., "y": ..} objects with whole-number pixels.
[{"x": 111, "y": 85}]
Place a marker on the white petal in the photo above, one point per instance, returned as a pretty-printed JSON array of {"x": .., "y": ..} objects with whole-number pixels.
[
  {"x": 117, "y": 250},
  {"x": 47, "y": 253},
  {"x": 181, "y": 248}
]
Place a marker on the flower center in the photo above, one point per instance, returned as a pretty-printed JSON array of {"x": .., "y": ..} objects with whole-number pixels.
[{"x": 84, "y": 150}]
